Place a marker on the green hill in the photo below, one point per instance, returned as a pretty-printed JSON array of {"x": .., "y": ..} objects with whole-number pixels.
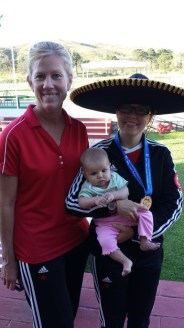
[{"x": 160, "y": 61}]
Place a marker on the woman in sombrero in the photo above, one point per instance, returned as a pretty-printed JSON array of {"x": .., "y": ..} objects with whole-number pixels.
[{"x": 152, "y": 176}]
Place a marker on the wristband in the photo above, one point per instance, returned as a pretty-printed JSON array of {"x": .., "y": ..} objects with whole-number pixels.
[{"x": 112, "y": 207}]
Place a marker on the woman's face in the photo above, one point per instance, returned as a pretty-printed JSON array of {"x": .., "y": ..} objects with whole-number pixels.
[
  {"x": 50, "y": 82},
  {"x": 133, "y": 118}
]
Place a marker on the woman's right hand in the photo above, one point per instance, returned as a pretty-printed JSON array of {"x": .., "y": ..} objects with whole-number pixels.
[
  {"x": 129, "y": 209},
  {"x": 9, "y": 274}
]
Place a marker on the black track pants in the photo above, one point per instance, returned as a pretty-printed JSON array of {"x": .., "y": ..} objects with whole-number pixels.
[
  {"x": 53, "y": 288},
  {"x": 132, "y": 296}
]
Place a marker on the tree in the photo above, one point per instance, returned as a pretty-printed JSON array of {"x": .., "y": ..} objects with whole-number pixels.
[
  {"x": 5, "y": 60},
  {"x": 140, "y": 55},
  {"x": 165, "y": 58},
  {"x": 180, "y": 63},
  {"x": 22, "y": 61},
  {"x": 76, "y": 57},
  {"x": 1, "y": 16},
  {"x": 112, "y": 57},
  {"x": 152, "y": 56}
]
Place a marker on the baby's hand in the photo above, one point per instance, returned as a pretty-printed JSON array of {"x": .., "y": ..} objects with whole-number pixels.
[
  {"x": 109, "y": 197},
  {"x": 100, "y": 201}
]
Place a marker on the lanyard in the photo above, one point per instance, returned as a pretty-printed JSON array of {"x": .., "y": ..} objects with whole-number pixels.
[{"x": 148, "y": 189}]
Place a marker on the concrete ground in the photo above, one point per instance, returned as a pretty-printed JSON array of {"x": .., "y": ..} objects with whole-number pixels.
[{"x": 168, "y": 311}]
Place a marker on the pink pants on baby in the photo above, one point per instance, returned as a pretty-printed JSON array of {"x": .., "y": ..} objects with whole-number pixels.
[{"x": 107, "y": 234}]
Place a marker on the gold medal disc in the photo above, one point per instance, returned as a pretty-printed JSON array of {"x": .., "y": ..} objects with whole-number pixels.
[{"x": 146, "y": 201}]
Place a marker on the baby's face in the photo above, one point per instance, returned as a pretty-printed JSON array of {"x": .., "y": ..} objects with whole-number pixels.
[{"x": 98, "y": 173}]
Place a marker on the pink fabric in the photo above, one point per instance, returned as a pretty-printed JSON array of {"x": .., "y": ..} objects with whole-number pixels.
[
  {"x": 107, "y": 234},
  {"x": 145, "y": 224}
]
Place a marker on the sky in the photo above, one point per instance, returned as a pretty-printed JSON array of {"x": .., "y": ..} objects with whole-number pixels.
[{"x": 129, "y": 23}]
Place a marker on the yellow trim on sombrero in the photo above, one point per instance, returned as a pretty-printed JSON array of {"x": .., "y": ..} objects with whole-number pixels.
[
  {"x": 175, "y": 90},
  {"x": 144, "y": 83},
  {"x": 165, "y": 86},
  {"x": 179, "y": 91},
  {"x": 149, "y": 84},
  {"x": 127, "y": 82},
  {"x": 122, "y": 82}
]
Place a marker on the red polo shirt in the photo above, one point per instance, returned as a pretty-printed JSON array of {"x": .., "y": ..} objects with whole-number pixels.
[{"x": 45, "y": 171}]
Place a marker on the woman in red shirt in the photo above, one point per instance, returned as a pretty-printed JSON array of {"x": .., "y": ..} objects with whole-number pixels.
[{"x": 39, "y": 157}]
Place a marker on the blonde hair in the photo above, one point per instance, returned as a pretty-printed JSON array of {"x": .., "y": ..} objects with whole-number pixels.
[{"x": 47, "y": 48}]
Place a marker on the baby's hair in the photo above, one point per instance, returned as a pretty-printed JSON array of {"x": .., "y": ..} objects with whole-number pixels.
[{"x": 92, "y": 155}]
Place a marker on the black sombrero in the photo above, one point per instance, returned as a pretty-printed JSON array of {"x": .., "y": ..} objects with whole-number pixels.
[{"x": 106, "y": 96}]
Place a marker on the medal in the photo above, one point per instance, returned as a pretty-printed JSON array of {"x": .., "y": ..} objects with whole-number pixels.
[
  {"x": 146, "y": 201},
  {"x": 148, "y": 188}
]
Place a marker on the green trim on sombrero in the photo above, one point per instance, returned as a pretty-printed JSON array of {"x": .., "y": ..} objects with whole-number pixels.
[{"x": 108, "y": 95}]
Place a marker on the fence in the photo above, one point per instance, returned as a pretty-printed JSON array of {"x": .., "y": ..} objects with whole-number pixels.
[
  {"x": 97, "y": 128},
  {"x": 11, "y": 101}
]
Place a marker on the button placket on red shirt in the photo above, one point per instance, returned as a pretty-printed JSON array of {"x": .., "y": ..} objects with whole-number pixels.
[{"x": 61, "y": 159}]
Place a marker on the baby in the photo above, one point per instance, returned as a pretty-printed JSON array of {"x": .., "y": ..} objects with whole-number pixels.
[{"x": 101, "y": 188}]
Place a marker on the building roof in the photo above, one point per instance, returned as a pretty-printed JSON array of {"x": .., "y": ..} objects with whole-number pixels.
[{"x": 112, "y": 64}]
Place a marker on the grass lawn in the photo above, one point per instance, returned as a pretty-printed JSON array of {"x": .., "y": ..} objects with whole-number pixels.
[{"x": 173, "y": 265}]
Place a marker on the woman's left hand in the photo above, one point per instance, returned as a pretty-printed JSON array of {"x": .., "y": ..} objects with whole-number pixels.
[{"x": 129, "y": 209}]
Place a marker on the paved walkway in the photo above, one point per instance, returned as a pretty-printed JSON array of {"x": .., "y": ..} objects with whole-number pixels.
[{"x": 168, "y": 311}]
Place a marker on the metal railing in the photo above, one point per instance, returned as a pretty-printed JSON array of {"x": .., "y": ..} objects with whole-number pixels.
[{"x": 11, "y": 101}]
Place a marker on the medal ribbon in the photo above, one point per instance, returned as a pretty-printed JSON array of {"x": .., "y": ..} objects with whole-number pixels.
[{"x": 149, "y": 189}]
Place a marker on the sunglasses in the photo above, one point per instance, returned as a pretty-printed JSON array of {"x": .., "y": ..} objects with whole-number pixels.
[{"x": 140, "y": 110}]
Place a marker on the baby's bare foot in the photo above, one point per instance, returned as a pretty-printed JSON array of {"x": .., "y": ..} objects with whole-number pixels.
[
  {"x": 127, "y": 266},
  {"x": 147, "y": 245}
]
